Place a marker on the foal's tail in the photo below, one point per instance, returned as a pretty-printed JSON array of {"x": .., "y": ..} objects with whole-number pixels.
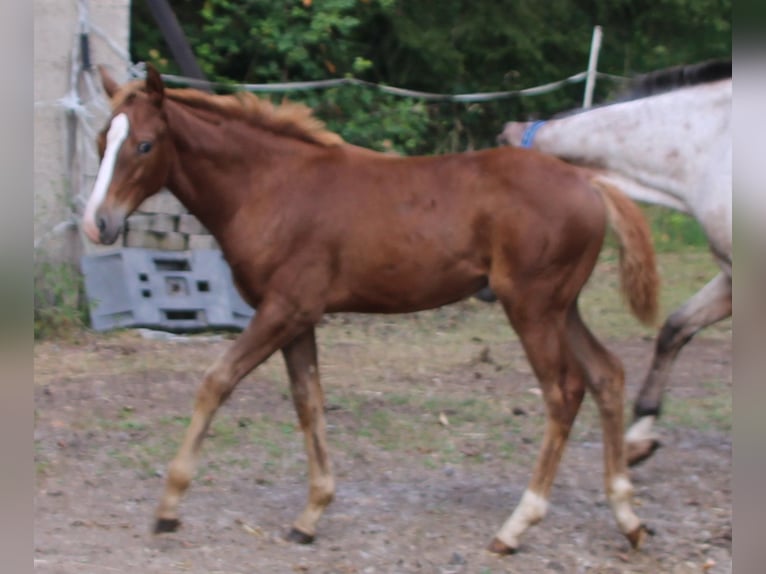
[{"x": 639, "y": 280}]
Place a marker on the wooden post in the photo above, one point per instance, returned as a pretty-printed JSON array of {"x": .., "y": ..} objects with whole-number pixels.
[
  {"x": 176, "y": 40},
  {"x": 590, "y": 80}
]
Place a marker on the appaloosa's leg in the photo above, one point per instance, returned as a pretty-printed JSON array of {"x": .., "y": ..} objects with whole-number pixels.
[
  {"x": 606, "y": 381},
  {"x": 301, "y": 359},
  {"x": 562, "y": 382},
  {"x": 269, "y": 331},
  {"x": 709, "y": 305}
]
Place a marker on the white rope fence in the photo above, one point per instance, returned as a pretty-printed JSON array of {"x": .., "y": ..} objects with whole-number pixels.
[
  {"x": 351, "y": 81},
  {"x": 87, "y": 106}
]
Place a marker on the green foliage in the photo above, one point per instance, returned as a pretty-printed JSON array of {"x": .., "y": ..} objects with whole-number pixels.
[
  {"x": 60, "y": 306},
  {"x": 453, "y": 46},
  {"x": 672, "y": 230}
]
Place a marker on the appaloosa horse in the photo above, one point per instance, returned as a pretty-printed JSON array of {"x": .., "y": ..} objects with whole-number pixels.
[
  {"x": 666, "y": 141},
  {"x": 311, "y": 225}
]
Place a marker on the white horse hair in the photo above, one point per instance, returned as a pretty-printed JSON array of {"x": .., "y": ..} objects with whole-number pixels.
[{"x": 672, "y": 146}]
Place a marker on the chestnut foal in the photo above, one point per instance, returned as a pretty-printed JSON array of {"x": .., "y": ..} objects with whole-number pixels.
[{"x": 312, "y": 225}]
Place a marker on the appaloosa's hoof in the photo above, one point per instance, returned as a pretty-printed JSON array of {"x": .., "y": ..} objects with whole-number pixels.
[
  {"x": 499, "y": 547},
  {"x": 296, "y": 535},
  {"x": 639, "y": 451},
  {"x": 166, "y": 525},
  {"x": 637, "y": 536}
]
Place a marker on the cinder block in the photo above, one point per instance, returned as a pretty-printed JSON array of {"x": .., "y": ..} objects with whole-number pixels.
[
  {"x": 138, "y": 222},
  {"x": 162, "y": 202},
  {"x": 173, "y": 291},
  {"x": 163, "y": 222},
  {"x": 202, "y": 242},
  {"x": 187, "y": 223},
  {"x": 172, "y": 241}
]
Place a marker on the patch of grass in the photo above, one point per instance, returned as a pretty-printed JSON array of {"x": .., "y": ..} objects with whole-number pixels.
[
  {"x": 43, "y": 465},
  {"x": 129, "y": 425},
  {"x": 682, "y": 273},
  {"x": 228, "y": 436},
  {"x": 60, "y": 304},
  {"x": 711, "y": 411},
  {"x": 442, "y": 429},
  {"x": 673, "y": 231},
  {"x": 224, "y": 435},
  {"x": 430, "y": 463},
  {"x": 42, "y": 468},
  {"x": 239, "y": 462},
  {"x": 176, "y": 420},
  {"x": 126, "y": 420},
  {"x": 122, "y": 457},
  {"x": 147, "y": 456}
]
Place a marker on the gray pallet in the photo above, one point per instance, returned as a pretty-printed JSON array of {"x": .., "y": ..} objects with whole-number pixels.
[{"x": 176, "y": 291}]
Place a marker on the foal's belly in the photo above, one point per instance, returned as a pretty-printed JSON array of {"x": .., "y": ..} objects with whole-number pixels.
[{"x": 406, "y": 290}]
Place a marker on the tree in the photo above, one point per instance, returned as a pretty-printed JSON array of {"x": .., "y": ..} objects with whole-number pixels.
[{"x": 444, "y": 46}]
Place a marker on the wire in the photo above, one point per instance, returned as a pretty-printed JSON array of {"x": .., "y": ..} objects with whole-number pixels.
[{"x": 403, "y": 92}]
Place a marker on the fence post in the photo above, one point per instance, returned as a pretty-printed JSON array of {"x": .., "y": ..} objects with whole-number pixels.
[{"x": 590, "y": 80}]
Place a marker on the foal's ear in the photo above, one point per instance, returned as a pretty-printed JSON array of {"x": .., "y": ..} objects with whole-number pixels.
[
  {"x": 155, "y": 87},
  {"x": 110, "y": 86}
]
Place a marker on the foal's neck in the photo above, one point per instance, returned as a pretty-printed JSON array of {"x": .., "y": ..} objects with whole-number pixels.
[{"x": 222, "y": 166}]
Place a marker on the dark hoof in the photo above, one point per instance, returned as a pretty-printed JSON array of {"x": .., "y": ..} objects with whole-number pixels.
[
  {"x": 637, "y": 536},
  {"x": 638, "y": 452},
  {"x": 299, "y": 537},
  {"x": 166, "y": 525},
  {"x": 501, "y": 548}
]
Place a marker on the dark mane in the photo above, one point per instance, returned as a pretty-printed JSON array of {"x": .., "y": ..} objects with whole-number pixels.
[
  {"x": 288, "y": 118},
  {"x": 663, "y": 81},
  {"x": 668, "y": 79}
]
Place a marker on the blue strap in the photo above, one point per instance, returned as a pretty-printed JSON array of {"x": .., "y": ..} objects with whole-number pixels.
[{"x": 529, "y": 133}]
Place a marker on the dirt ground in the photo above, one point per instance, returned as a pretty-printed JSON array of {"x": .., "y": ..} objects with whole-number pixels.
[{"x": 433, "y": 424}]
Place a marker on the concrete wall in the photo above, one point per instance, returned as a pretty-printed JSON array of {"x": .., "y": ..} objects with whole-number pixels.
[{"x": 56, "y": 27}]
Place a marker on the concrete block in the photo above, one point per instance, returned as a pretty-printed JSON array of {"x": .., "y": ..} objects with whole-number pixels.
[
  {"x": 202, "y": 242},
  {"x": 164, "y": 222},
  {"x": 171, "y": 241},
  {"x": 138, "y": 222},
  {"x": 187, "y": 223},
  {"x": 162, "y": 202},
  {"x": 173, "y": 291}
]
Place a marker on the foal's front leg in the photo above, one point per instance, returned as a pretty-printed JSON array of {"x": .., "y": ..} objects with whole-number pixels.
[
  {"x": 301, "y": 359},
  {"x": 270, "y": 329}
]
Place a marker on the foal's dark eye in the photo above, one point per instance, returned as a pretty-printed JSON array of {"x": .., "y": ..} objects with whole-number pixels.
[{"x": 144, "y": 147}]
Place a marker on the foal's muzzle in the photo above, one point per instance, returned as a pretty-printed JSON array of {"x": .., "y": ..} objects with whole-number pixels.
[
  {"x": 104, "y": 227},
  {"x": 108, "y": 232}
]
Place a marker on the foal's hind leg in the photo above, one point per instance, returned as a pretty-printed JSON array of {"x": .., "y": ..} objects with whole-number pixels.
[
  {"x": 301, "y": 359},
  {"x": 709, "y": 305},
  {"x": 562, "y": 382},
  {"x": 605, "y": 380}
]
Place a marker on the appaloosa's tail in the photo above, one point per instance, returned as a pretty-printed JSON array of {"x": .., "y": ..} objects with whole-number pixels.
[{"x": 639, "y": 279}]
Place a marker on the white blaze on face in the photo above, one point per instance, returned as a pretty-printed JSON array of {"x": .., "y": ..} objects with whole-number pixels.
[{"x": 117, "y": 134}]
